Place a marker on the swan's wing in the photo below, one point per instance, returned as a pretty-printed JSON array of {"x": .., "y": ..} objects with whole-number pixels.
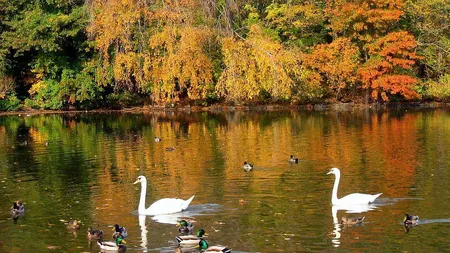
[
  {"x": 168, "y": 205},
  {"x": 358, "y": 198}
]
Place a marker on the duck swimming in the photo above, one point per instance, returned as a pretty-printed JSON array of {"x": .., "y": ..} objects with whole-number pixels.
[
  {"x": 411, "y": 219},
  {"x": 352, "y": 220},
  {"x": 185, "y": 227},
  {"x": 94, "y": 234},
  {"x": 191, "y": 240},
  {"x": 74, "y": 224},
  {"x": 248, "y": 167},
  {"x": 17, "y": 208},
  {"x": 117, "y": 246},
  {"x": 293, "y": 159},
  {"x": 158, "y": 139},
  {"x": 204, "y": 247},
  {"x": 119, "y": 230}
]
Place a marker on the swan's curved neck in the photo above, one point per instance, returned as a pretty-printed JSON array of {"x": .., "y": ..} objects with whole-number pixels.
[
  {"x": 334, "y": 198},
  {"x": 141, "y": 206}
]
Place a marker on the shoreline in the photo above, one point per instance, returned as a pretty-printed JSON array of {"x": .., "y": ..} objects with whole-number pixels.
[{"x": 230, "y": 108}]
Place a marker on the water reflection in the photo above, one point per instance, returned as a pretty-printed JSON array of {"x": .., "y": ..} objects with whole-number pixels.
[
  {"x": 348, "y": 209},
  {"x": 87, "y": 167},
  {"x": 144, "y": 232}
]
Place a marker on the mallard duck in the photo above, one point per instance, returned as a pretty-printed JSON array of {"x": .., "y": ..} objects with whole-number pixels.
[
  {"x": 204, "y": 247},
  {"x": 411, "y": 219},
  {"x": 351, "y": 199},
  {"x": 74, "y": 224},
  {"x": 191, "y": 240},
  {"x": 158, "y": 139},
  {"x": 185, "y": 227},
  {"x": 119, "y": 230},
  {"x": 352, "y": 220},
  {"x": 17, "y": 208},
  {"x": 162, "y": 206},
  {"x": 248, "y": 167},
  {"x": 293, "y": 159},
  {"x": 94, "y": 234},
  {"x": 118, "y": 245}
]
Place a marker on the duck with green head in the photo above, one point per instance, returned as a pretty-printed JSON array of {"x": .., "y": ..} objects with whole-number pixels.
[
  {"x": 191, "y": 240},
  {"x": 185, "y": 227},
  {"x": 117, "y": 246},
  {"x": 204, "y": 247}
]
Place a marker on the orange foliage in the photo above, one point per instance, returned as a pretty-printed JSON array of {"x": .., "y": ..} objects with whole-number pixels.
[
  {"x": 389, "y": 56},
  {"x": 337, "y": 62}
]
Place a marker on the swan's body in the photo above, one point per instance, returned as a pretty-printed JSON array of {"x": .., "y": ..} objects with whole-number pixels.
[
  {"x": 351, "y": 199},
  {"x": 162, "y": 206}
]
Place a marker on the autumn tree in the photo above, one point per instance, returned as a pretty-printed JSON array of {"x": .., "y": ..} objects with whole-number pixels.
[
  {"x": 337, "y": 63},
  {"x": 388, "y": 52}
]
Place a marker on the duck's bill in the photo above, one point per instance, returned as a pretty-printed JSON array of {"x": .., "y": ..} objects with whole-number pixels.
[
  {"x": 206, "y": 234},
  {"x": 124, "y": 242},
  {"x": 113, "y": 229}
]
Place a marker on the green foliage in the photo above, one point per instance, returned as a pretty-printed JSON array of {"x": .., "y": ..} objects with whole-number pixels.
[
  {"x": 10, "y": 103},
  {"x": 439, "y": 90},
  {"x": 46, "y": 94}
]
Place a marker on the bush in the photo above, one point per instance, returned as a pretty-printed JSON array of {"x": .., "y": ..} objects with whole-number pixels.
[
  {"x": 10, "y": 103},
  {"x": 439, "y": 90}
]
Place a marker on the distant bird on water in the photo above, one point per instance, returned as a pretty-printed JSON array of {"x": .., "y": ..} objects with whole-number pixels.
[{"x": 248, "y": 167}]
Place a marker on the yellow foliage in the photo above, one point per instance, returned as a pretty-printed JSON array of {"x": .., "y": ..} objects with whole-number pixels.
[{"x": 257, "y": 65}]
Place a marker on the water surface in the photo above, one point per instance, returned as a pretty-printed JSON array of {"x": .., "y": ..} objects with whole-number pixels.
[{"x": 82, "y": 166}]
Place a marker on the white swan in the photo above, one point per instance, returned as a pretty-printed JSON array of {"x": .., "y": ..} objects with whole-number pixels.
[
  {"x": 162, "y": 206},
  {"x": 351, "y": 199}
]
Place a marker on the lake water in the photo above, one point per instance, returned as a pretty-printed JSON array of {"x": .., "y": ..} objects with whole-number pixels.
[{"x": 82, "y": 166}]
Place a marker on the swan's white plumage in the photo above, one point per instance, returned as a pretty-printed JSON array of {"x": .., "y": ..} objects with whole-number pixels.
[
  {"x": 162, "y": 206},
  {"x": 351, "y": 199}
]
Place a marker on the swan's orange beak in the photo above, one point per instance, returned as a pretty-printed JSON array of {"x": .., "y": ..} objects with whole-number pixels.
[
  {"x": 137, "y": 181},
  {"x": 329, "y": 172}
]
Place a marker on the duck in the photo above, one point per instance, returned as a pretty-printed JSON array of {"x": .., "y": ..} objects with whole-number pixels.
[
  {"x": 411, "y": 219},
  {"x": 17, "y": 208},
  {"x": 204, "y": 247},
  {"x": 248, "y": 167},
  {"x": 94, "y": 234},
  {"x": 351, "y": 199},
  {"x": 191, "y": 240},
  {"x": 352, "y": 220},
  {"x": 74, "y": 224},
  {"x": 119, "y": 230},
  {"x": 117, "y": 245},
  {"x": 185, "y": 227},
  {"x": 162, "y": 206},
  {"x": 293, "y": 159},
  {"x": 158, "y": 139}
]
